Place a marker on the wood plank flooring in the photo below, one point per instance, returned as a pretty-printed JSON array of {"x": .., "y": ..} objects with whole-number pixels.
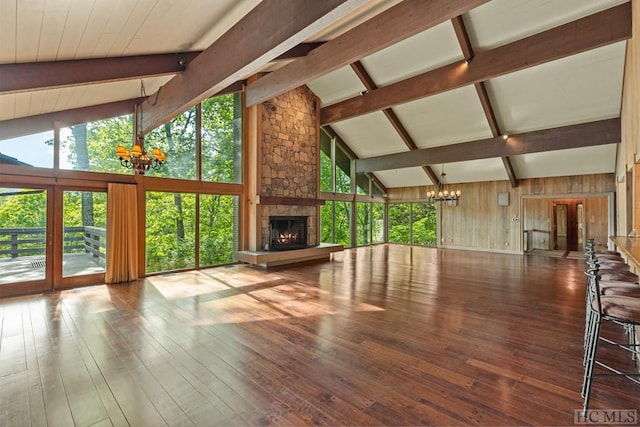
[{"x": 385, "y": 335}]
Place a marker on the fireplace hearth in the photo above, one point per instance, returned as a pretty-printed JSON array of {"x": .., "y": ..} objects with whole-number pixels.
[{"x": 287, "y": 233}]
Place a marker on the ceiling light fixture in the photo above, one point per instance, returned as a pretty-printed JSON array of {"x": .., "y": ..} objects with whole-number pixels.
[
  {"x": 138, "y": 158},
  {"x": 443, "y": 194}
]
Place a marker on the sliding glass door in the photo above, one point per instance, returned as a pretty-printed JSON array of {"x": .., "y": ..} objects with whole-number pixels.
[{"x": 25, "y": 240}]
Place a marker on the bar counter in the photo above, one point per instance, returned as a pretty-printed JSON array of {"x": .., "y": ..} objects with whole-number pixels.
[{"x": 629, "y": 248}]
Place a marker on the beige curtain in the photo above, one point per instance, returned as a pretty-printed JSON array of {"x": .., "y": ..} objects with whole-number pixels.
[{"x": 122, "y": 234}]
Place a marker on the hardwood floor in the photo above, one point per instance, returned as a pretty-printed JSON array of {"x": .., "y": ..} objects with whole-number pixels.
[{"x": 389, "y": 335}]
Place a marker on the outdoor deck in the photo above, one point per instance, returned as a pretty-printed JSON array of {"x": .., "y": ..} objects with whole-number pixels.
[{"x": 28, "y": 268}]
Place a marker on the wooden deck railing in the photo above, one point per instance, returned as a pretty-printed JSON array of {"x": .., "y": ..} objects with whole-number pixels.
[{"x": 31, "y": 241}]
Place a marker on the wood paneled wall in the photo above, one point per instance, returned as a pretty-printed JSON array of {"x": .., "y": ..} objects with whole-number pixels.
[
  {"x": 478, "y": 222},
  {"x": 630, "y": 146}
]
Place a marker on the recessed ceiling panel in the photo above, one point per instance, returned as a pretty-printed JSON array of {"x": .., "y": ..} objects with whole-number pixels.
[
  {"x": 24, "y": 104},
  {"x": 407, "y": 177},
  {"x": 370, "y": 135},
  {"x": 576, "y": 89},
  {"x": 575, "y": 161},
  {"x": 472, "y": 171},
  {"x": 336, "y": 86},
  {"x": 499, "y": 22},
  {"x": 447, "y": 118},
  {"x": 423, "y": 52}
]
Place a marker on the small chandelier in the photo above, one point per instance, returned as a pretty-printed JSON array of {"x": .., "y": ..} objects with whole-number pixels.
[
  {"x": 138, "y": 158},
  {"x": 443, "y": 194}
]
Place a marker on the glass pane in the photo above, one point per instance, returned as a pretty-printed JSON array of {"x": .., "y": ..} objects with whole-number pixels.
[
  {"x": 362, "y": 184},
  {"x": 23, "y": 220},
  {"x": 400, "y": 223},
  {"x": 218, "y": 228},
  {"x": 326, "y": 183},
  {"x": 326, "y": 223},
  {"x": 424, "y": 224},
  {"x": 363, "y": 223},
  {"x": 85, "y": 235},
  {"x": 377, "y": 191},
  {"x": 91, "y": 146},
  {"x": 343, "y": 171},
  {"x": 343, "y": 223},
  {"x": 177, "y": 138},
  {"x": 377, "y": 222},
  {"x": 170, "y": 233},
  {"x": 222, "y": 139},
  {"x": 31, "y": 150}
]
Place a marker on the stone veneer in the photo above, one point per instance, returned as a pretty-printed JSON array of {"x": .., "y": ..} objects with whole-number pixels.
[{"x": 290, "y": 157}]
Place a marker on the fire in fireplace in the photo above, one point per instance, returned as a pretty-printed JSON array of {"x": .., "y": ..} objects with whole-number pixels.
[{"x": 287, "y": 232}]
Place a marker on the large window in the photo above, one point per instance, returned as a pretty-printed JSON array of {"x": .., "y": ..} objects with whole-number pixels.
[
  {"x": 30, "y": 150},
  {"x": 218, "y": 228},
  {"x": 177, "y": 138},
  {"x": 370, "y": 223},
  {"x": 335, "y": 219},
  {"x": 222, "y": 139},
  {"x": 91, "y": 146},
  {"x": 413, "y": 223},
  {"x": 170, "y": 232}
]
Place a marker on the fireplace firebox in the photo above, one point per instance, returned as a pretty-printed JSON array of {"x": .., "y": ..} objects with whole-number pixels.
[{"x": 287, "y": 232}]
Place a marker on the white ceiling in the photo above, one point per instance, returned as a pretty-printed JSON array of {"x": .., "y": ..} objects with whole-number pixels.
[{"x": 576, "y": 89}]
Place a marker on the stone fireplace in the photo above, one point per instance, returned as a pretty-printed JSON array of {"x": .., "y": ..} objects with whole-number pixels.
[
  {"x": 289, "y": 163},
  {"x": 282, "y": 182}
]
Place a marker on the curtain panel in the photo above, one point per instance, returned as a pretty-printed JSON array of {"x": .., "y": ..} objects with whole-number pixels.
[{"x": 122, "y": 237}]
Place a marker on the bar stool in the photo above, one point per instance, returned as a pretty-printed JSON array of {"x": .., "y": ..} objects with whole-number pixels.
[{"x": 622, "y": 310}]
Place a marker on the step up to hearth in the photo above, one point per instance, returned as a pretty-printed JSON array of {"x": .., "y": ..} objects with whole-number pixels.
[{"x": 268, "y": 259}]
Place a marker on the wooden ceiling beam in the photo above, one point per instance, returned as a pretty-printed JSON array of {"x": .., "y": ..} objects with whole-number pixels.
[
  {"x": 45, "y": 75},
  {"x": 267, "y": 31},
  {"x": 574, "y": 136},
  {"x": 399, "y": 22},
  {"x": 600, "y": 29},
  {"x": 468, "y": 53},
  {"x": 15, "y": 128}
]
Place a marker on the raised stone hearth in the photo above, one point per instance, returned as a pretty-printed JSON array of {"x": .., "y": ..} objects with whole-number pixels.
[{"x": 266, "y": 259}]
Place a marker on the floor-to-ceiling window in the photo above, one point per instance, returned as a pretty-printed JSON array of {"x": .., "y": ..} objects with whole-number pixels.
[
  {"x": 413, "y": 223},
  {"x": 353, "y": 213}
]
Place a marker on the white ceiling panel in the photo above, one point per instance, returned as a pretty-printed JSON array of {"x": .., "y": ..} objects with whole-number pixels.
[
  {"x": 499, "y": 22},
  {"x": 576, "y": 89},
  {"x": 425, "y": 51},
  {"x": 370, "y": 135},
  {"x": 337, "y": 86},
  {"x": 24, "y": 104},
  {"x": 407, "y": 177},
  {"x": 575, "y": 161},
  {"x": 446, "y": 118},
  {"x": 472, "y": 171}
]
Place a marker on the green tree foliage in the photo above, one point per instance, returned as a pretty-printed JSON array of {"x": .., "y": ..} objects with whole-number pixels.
[
  {"x": 417, "y": 219},
  {"x": 23, "y": 208},
  {"x": 91, "y": 146},
  {"x": 166, "y": 249},
  {"x": 218, "y": 236},
  {"x": 221, "y": 139}
]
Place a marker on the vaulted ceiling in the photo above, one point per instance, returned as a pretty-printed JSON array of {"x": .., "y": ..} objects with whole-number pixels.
[{"x": 490, "y": 90}]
